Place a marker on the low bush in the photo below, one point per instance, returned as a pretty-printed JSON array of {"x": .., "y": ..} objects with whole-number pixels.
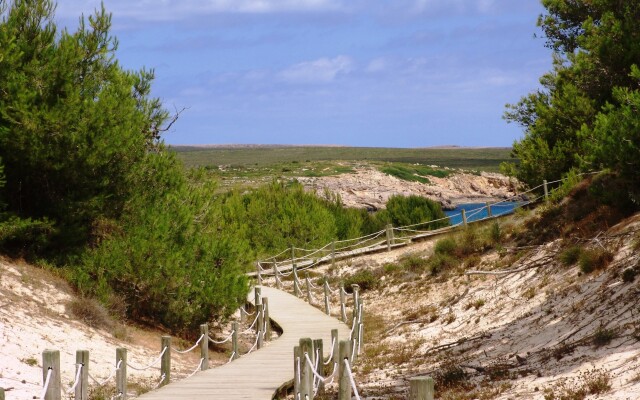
[
  {"x": 629, "y": 275},
  {"x": 593, "y": 259},
  {"x": 446, "y": 246},
  {"x": 570, "y": 255},
  {"x": 364, "y": 278},
  {"x": 89, "y": 311},
  {"x": 439, "y": 263},
  {"x": 414, "y": 263}
]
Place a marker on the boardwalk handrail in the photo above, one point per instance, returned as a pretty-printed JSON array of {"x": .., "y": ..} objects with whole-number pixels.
[{"x": 302, "y": 258}]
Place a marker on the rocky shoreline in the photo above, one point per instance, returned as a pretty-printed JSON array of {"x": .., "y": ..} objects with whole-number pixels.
[{"x": 370, "y": 188}]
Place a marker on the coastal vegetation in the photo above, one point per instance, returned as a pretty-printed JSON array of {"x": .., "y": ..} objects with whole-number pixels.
[
  {"x": 585, "y": 117},
  {"x": 88, "y": 187}
]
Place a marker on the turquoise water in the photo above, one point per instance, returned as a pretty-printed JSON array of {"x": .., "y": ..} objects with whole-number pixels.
[{"x": 474, "y": 215}]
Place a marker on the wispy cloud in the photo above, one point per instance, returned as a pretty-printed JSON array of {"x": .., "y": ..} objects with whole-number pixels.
[
  {"x": 323, "y": 70},
  {"x": 160, "y": 10}
]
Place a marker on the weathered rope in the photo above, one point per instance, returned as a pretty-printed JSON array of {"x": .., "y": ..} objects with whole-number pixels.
[
  {"x": 231, "y": 358},
  {"x": 113, "y": 372},
  {"x": 152, "y": 364},
  {"x": 224, "y": 341},
  {"x": 190, "y": 348},
  {"x": 197, "y": 368},
  {"x": 298, "y": 367},
  {"x": 333, "y": 344},
  {"x": 249, "y": 329},
  {"x": 77, "y": 378},
  {"x": 245, "y": 312},
  {"x": 353, "y": 382},
  {"x": 256, "y": 343},
  {"x": 306, "y": 356},
  {"x": 46, "y": 383}
]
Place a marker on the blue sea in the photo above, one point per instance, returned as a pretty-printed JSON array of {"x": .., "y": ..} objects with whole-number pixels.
[{"x": 473, "y": 215}]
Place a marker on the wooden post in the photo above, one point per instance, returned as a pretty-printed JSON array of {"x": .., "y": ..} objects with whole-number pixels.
[
  {"x": 360, "y": 311},
  {"x": 343, "y": 303},
  {"x": 234, "y": 340},
  {"x": 353, "y": 357},
  {"x": 389, "y": 236},
  {"x": 204, "y": 347},
  {"x": 51, "y": 361},
  {"x": 546, "y": 189},
  {"x": 334, "y": 350},
  {"x": 306, "y": 375},
  {"x": 318, "y": 359},
  {"x": 82, "y": 388},
  {"x": 296, "y": 283},
  {"x": 165, "y": 363},
  {"x": 464, "y": 217},
  {"x": 356, "y": 301},
  {"x": 327, "y": 310},
  {"x": 421, "y": 388},
  {"x": 1, "y": 393},
  {"x": 260, "y": 324},
  {"x": 489, "y": 214},
  {"x": 267, "y": 320},
  {"x": 344, "y": 385},
  {"x": 308, "y": 284},
  {"x": 297, "y": 364},
  {"x": 259, "y": 273},
  {"x": 257, "y": 297},
  {"x": 121, "y": 372},
  {"x": 276, "y": 273},
  {"x": 333, "y": 254}
]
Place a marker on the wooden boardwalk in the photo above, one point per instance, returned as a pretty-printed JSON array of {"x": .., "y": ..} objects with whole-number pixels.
[{"x": 258, "y": 375}]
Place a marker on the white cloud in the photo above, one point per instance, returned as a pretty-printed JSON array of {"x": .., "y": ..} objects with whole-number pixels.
[
  {"x": 458, "y": 6},
  {"x": 378, "y": 65},
  {"x": 323, "y": 70},
  {"x": 160, "y": 10}
]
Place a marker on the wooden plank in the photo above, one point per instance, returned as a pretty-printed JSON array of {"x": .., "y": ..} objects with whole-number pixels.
[{"x": 259, "y": 374}]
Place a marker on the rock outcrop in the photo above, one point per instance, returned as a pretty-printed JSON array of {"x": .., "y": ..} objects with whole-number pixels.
[{"x": 370, "y": 188}]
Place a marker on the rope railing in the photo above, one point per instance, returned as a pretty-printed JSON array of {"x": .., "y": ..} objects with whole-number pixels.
[
  {"x": 156, "y": 361},
  {"x": 362, "y": 242},
  {"x": 190, "y": 348},
  {"x": 255, "y": 320},
  {"x": 228, "y": 338},
  {"x": 76, "y": 379},
  {"x": 198, "y": 368},
  {"x": 113, "y": 372},
  {"x": 45, "y": 387},
  {"x": 353, "y": 382}
]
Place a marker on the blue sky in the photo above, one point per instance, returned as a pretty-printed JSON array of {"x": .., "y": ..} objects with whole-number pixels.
[{"x": 389, "y": 73}]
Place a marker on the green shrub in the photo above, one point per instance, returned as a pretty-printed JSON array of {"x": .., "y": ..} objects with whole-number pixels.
[
  {"x": 404, "y": 173},
  {"x": 409, "y": 210},
  {"x": 364, "y": 278},
  {"x": 495, "y": 232},
  {"x": 176, "y": 261},
  {"x": 414, "y": 263},
  {"x": 441, "y": 262},
  {"x": 25, "y": 237},
  {"x": 629, "y": 275},
  {"x": 446, "y": 246},
  {"x": 570, "y": 255},
  {"x": 603, "y": 336},
  {"x": 593, "y": 259}
]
